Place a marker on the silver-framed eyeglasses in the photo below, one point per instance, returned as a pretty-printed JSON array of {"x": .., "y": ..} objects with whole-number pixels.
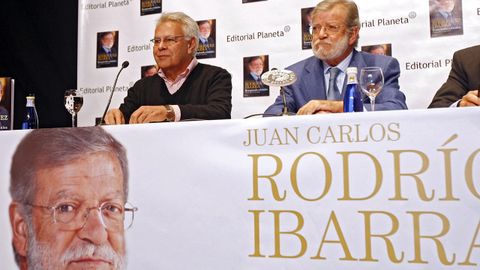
[
  {"x": 114, "y": 217},
  {"x": 329, "y": 29},
  {"x": 168, "y": 40}
]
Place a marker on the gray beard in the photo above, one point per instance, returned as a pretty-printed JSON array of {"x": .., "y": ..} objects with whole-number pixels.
[
  {"x": 336, "y": 51},
  {"x": 40, "y": 256}
]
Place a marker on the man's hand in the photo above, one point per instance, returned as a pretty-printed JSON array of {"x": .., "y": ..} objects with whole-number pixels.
[
  {"x": 114, "y": 117},
  {"x": 147, "y": 114},
  {"x": 321, "y": 106},
  {"x": 470, "y": 99}
]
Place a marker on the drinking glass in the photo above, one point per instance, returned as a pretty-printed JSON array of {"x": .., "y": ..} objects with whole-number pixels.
[
  {"x": 73, "y": 103},
  {"x": 371, "y": 82}
]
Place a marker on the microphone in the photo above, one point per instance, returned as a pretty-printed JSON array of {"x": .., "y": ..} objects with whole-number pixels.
[
  {"x": 280, "y": 78},
  {"x": 102, "y": 120}
]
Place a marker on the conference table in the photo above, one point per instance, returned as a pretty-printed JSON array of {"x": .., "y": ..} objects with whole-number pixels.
[{"x": 371, "y": 190}]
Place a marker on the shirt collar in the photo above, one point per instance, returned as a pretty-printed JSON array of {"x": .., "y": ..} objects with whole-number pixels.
[
  {"x": 342, "y": 65},
  {"x": 182, "y": 75}
]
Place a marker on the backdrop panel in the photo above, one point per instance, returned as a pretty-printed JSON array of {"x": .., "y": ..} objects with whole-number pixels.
[{"x": 267, "y": 28}]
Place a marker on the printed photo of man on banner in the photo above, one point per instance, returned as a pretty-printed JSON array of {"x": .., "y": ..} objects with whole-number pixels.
[
  {"x": 107, "y": 49},
  {"x": 254, "y": 67}
]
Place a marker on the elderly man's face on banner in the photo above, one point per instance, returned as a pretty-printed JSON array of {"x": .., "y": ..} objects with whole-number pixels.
[
  {"x": 205, "y": 28},
  {"x": 108, "y": 40},
  {"x": 445, "y": 5},
  {"x": 256, "y": 66},
  {"x": 71, "y": 225}
]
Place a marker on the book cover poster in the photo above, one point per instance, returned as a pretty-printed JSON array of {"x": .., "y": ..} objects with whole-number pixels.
[
  {"x": 148, "y": 7},
  {"x": 6, "y": 103},
  {"x": 306, "y": 14},
  {"x": 148, "y": 71},
  {"x": 253, "y": 68},
  {"x": 382, "y": 49},
  {"x": 207, "y": 40},
  {"x": 107, "y": 49},
  {"x": 446, "y": 18}
]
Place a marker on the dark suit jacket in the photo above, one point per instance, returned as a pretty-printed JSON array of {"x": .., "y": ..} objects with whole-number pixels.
[
  {"x": 311, "y": 83},
  {"x": 464, "y": 76}
]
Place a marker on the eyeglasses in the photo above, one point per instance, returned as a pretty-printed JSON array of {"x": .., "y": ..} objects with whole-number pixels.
[
  {"x": 70, "y": 216},
  {"x": 168, "y": 40},
  {"x": 329, "y": 29}
]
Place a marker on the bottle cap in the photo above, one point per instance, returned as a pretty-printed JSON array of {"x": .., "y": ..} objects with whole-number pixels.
[{"x": 351, "y": 70}]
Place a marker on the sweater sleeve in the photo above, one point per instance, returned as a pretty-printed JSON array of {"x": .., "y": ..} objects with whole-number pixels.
[{"x": 216, "y": 85}]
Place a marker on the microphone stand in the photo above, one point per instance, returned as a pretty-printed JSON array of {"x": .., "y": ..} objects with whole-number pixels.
[
  {"x": 102, "y": 120},
  {"x": 284, "y": 97},
  {"x": 280, "y": 78}
]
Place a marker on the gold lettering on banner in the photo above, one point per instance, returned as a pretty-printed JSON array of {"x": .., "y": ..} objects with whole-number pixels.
[
  {"x": 341, "y": 240},
  {"x": 346, "y": 175},
  {"x": 417, "y": 237},
  {"x": 309, "y": 135},
  {"x": 358, "y": 139},
  {"x": 256, "y": 177},
  {"x": 275, "y": 137},
  {"x": 398, "y": 175},
  {"x": 373, "y": 133},
  {"x": 394, "y": 134},
  {"x": 469, "y": 174},
  {"x": 330, "y": 135},
  {"x": 323, "y": 189},
  {"x": 294, "y": 178},
  {"x": 345, "y": 132},
  {"x": 369, "y": 235},
  {"x": 278, "y": 233},
  {"x": 256, "y": 233},
  {"x": 447, "y": 158},
  {"x": 470, "y": 249},
  {"x": 353, "y": 133}
]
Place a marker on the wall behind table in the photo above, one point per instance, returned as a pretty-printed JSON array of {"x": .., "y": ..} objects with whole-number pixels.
[{"x": 405, "y": 25}]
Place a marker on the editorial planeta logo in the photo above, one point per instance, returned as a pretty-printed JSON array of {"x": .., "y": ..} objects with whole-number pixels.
[
  {"x": 258, "y": 35},
  {"x": 381, "y": 22},
  {"x": 105, "y": 4}
]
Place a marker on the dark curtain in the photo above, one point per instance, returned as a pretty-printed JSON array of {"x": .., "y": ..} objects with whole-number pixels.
[{"x": 38, "y": 47}]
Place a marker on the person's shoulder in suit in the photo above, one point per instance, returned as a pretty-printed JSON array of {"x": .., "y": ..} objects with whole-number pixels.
[{"x": 473, "y": 51}]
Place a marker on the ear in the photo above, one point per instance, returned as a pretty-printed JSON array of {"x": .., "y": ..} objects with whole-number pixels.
[
  {"x": 354, "y": 32},
  {"x": 191, "y": 45},
  {"x": 19, "y": 229}
]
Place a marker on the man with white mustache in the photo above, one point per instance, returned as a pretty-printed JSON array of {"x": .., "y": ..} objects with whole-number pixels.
[
  {"x": 69, "y": 205},
  {"x": 335, "y": 34}
]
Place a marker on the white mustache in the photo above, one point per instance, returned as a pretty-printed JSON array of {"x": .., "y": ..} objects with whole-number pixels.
[
  {"x": 318, "y": 42},
  {"x": 87, "y": 250}
]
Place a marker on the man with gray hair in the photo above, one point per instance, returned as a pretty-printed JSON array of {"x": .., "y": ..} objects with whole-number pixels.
[
  {"x": 184, "y": 88},
  {"x": 69, "y": 207},
  {"x": 322, "y": 77}
]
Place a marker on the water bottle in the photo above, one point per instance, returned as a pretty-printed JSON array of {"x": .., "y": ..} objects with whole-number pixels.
[
  {"x": 30, "y": 120},
  {"x": 352, "y": 100}
]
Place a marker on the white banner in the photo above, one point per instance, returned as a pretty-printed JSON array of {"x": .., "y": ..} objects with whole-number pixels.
[
  {"x": 383, "y": 190},
  {"x": 270, "y": 28}
]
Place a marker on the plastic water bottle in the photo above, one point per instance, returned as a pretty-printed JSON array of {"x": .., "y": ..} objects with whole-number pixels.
[
  {"x": 30, "y": 120},
  {"x": 352, "y": 100}
]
